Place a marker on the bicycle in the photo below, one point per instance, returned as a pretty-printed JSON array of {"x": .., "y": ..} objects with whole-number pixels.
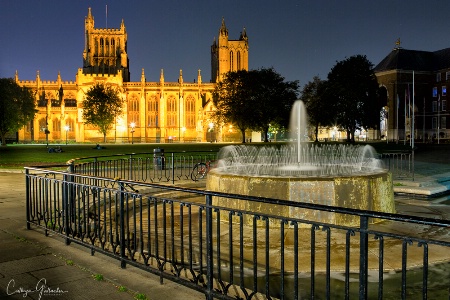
[{"x": 200, "y": 170}]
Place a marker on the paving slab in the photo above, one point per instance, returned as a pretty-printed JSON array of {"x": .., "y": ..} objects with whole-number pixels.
[{"x": 28, "y": 256}]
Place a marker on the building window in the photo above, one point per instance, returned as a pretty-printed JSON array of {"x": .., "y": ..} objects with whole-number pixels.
[
  {"x": 101, "y": 46},
  {"x": 435, "y": 92},
  {"x": 171, "y": 112},
  {"x": 238, "y": 60},
  {"x": 152, "y": 109},
  {"x": 133, "y": 110},
  {"x": 444, "y": 90},
  {"x": 231, "y": 61},
  {"x": 55, "y": 103},
  {"x": 444, "y": 105},
  {"x": 447, "y": 76},
  {"x": 70, "y": 103},
  {"x": 56, "y": 125},
  {"x": 434, "y": 107},
  {"x": 443, "y": 124},
  {"x": 71, "y": 123},
  {"x": 434, "y": 123},
  {"x": 190, "y": 112},
  {"x": 42, "y": 125},
  {"x": 438, "y": 77}
]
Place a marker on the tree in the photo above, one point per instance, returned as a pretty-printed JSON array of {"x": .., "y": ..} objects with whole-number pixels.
[
  {"x": 353, "y": 87},
  {"x": 319, "y": 112},
  {"x": 17, "y": 107},
  {"x": 231, "y": 99},
  {"x": 254, "y": 99},
  {"x": 101, "y": 107},
  {"x": 273, "y": 99}
]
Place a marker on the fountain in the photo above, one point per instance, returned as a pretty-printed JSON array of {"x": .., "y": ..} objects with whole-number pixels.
[{"x": 336, "y": 175}]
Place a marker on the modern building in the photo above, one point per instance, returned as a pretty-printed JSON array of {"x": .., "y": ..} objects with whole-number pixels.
[
  {"x": 415, "y": 88},
  {"x": 154, "y": 111}
]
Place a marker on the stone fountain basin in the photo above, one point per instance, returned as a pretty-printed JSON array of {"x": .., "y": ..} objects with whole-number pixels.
[{"x": 369, "y": 191}]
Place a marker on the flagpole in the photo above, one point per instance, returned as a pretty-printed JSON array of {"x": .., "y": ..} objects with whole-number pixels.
[
  {"x": 439, "y": 102},
  {"x": 412, "y": 122},
  {"x": 404, "y": 134},
  {"x": 423, "y": 131},
  {"x": 398, "y": 106}
]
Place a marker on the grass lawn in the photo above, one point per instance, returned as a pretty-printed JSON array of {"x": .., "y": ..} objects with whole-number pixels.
[{"x": 19, "y": 156}]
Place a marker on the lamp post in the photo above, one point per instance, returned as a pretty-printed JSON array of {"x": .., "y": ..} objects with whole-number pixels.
[
  {"x": 46, "y": 120},
  {"x": 211, "y": 126},
  {"x": 184, "y": 131},
  {"x": 66, "y": 128},
  {"x": 132, "y": 125}
]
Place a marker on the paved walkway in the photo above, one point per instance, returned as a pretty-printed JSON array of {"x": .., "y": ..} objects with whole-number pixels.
[
  {"x": 33, "y": 266},
  {"x": 29, "y": 261}
]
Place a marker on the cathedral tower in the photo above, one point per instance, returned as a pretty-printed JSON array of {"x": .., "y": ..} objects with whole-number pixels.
[
  {"x": 228, "y": 55},
  {"x": 105, "y": 50}
]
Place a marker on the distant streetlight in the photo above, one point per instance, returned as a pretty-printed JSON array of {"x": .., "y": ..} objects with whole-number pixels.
[
  {"x": 46, "y": 120},
  {"x": 184, "y": 131},
  {"x": 132, "y": 125},
  {"x": 211, "y": 128},
  {"x": 66, "y": 128}
]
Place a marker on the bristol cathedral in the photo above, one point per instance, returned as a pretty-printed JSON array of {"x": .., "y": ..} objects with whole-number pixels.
[{"x": 154, "y": 111}]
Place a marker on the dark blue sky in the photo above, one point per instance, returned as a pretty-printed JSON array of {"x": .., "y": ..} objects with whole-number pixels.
[{"x": 299, "y": 39}]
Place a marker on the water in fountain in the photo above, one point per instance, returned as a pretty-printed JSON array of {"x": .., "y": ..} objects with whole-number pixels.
[{"x": 299, "y": 159}]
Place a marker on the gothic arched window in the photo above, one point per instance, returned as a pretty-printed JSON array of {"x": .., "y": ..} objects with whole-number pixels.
[
  {"x": 171, "y": 111},
  {"x": 238, "y": 60},
  {"x": 231, "y": 61},
  {"x": 133, "y": 109},
  {"x": 190, "y": 111},
  {"x": 152, "y": 111}
]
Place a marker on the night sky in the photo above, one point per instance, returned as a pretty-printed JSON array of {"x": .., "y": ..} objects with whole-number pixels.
[{"x": 299, "y": 39}]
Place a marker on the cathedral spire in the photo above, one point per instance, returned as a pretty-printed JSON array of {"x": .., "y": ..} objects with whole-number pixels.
[
  {"x": 161, "y": 76},
  {"x": 143, "y": 76},
  {"x": 89, "y": 20},
  {"x": 243, "y": 36},
  {"x": 223, "y": 28}
]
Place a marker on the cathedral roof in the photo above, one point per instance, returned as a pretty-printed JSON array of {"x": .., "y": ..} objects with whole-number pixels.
[{"x": 403, "y": 59}]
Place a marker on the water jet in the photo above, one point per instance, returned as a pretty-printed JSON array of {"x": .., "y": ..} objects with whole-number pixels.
[{"x": 331, "y": 174}]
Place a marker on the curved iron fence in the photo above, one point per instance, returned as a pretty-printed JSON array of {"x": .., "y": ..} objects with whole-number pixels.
[
  {"x": 192, "y": 237},
  {"x": 155, "y": 166}
]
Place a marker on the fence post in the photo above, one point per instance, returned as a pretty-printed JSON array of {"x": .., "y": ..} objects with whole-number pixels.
[
  {"x": 27, "y": 197},
  {"x": 122, "y": 225},
  {"x": 95, "y": 166},
  {"x": 71, "y": 208},
  {"x": 363, "y": 256},
  {"x": 130, "y": 174},
  {"x": 65, "y": 206},
  {"x": 173, "y": 168},
  {"x": 209, "y": 249}
]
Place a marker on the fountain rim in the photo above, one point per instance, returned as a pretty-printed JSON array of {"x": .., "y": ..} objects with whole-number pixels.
[{"x": 372, "y": 173}]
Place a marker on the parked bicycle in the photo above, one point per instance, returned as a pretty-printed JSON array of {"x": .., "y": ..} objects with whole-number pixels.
[{"x": 200, "y": 170}]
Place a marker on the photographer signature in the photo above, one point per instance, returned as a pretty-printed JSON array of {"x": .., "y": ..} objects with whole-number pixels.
[{"x": 41, "y": 288}]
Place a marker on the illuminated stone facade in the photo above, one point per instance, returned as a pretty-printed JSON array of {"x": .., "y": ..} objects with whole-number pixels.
[{"x": 159, "y": 111}]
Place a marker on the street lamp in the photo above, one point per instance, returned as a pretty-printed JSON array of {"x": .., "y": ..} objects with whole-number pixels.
[
  {"x": 132, "y": 125},
  {"x": 184, "y": 131},
  {"x": 66, "y": 128},
  {"x": 211, "y": 126},
  {"x": 46, "y": 120}
]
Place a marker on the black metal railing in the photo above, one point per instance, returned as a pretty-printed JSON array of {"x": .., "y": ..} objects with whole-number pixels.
[
  {"x": 194, "y": 237},
  {"x": 399, "y": 163},
  {"x": 143, "y": 167}
]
